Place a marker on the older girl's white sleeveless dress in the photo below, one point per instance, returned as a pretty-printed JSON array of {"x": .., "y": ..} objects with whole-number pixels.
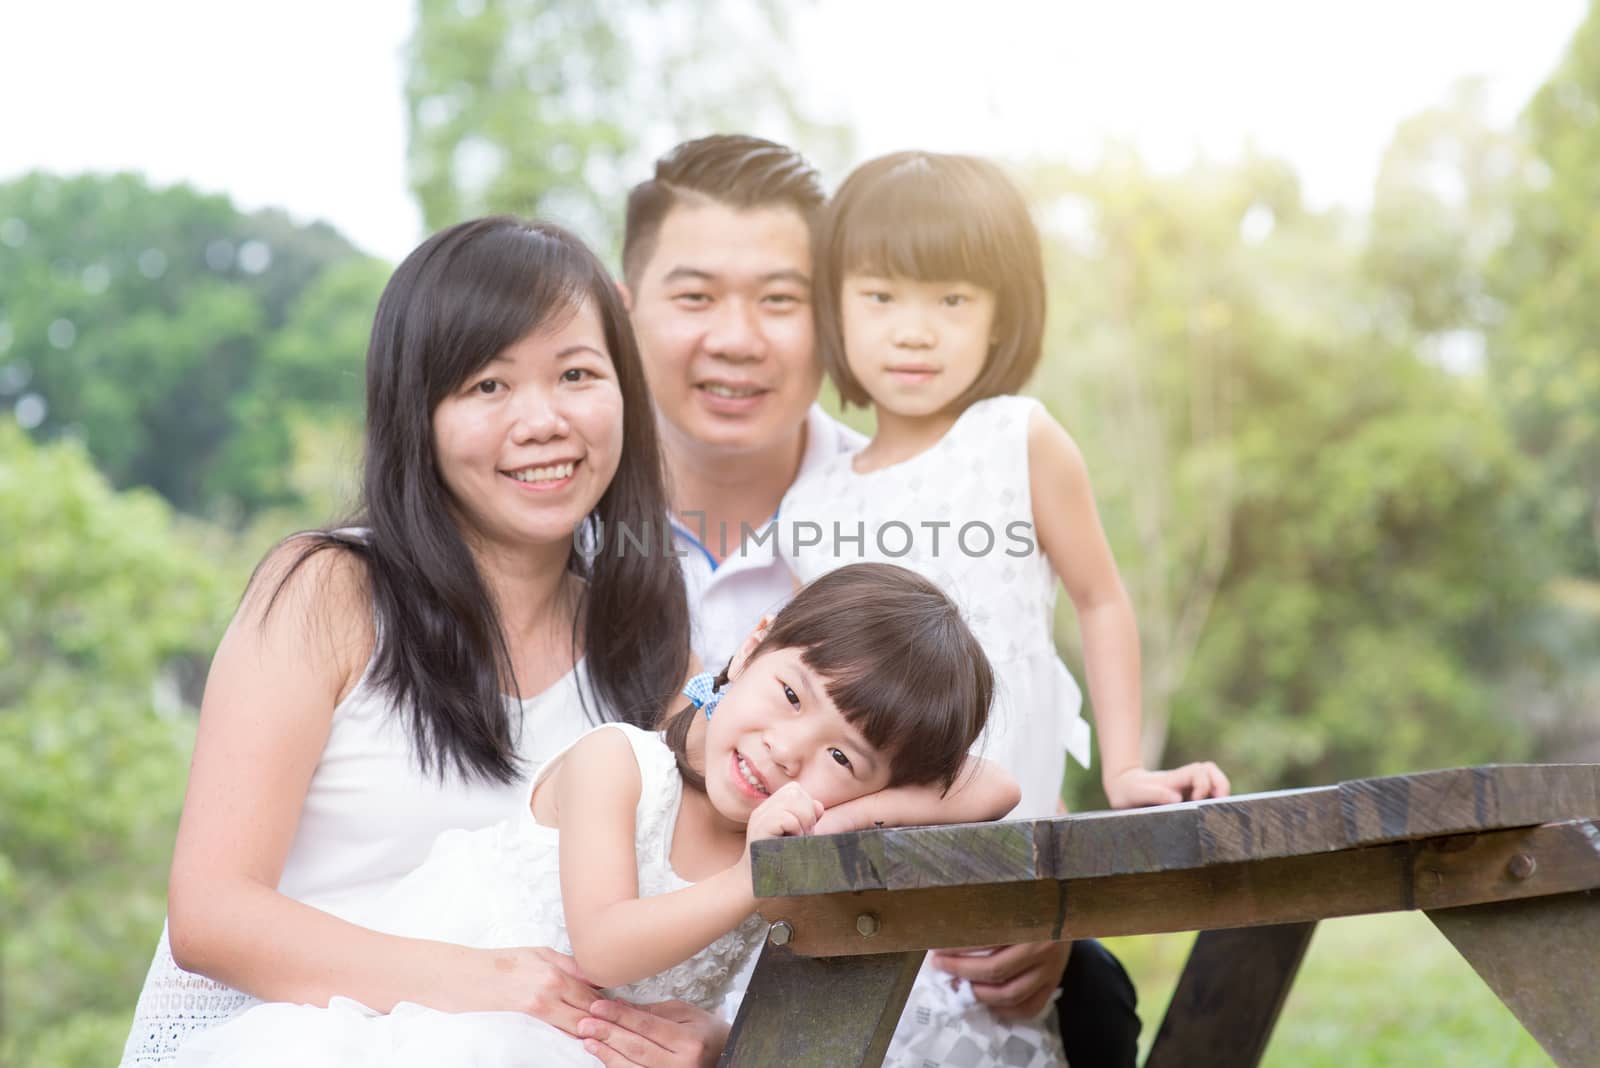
[
  {"x": 497, "y": 886},
  {"x": 961, "y": 515},
  {"x": 370, "y": 816}
]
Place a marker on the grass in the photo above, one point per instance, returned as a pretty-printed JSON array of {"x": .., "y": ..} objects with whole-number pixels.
[{"x": 1373, "y": 992}]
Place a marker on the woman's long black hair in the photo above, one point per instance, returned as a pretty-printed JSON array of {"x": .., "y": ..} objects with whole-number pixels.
[{"x": 458, "y": 300}]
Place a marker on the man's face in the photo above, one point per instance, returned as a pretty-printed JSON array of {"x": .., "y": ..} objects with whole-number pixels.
[{"x": 722, "y": 311}]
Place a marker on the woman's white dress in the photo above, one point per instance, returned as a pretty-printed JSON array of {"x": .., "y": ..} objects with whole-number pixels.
[
  {"x": 961, "y": 515},
  {"x": 497, "y": 886},
  {"x": 370, "y": 816}
]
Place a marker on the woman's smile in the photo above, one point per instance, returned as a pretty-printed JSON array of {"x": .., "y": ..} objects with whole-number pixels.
[{"x": 545, "y": 478}]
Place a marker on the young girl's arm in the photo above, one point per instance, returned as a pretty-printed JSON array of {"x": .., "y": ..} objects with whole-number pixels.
[
  {"x": 982, "y": 791},
  {"x": 1068, "y": 526},
  {"x": 268, "y": 706},
  {"x": 619, "y": 937}
]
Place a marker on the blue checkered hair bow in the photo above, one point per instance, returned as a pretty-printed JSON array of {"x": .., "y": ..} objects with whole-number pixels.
[{"x": 702, "y": 692}]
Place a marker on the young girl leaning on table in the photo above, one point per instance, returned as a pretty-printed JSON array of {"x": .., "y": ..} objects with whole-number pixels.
[{"x": 633, "y": 850}]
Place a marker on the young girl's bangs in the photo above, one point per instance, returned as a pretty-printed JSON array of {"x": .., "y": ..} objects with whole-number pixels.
[
  {"x": 904, "y": 226},
  {"x": 898, "y": 661}
]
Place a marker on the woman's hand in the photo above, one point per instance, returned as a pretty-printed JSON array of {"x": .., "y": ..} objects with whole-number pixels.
[
  {"x": 667, "y": 1034},
  {"x": 540, "y": 982}
]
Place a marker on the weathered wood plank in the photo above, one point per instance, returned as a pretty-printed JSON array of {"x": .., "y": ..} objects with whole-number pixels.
[
  {"x": 1296, "y": 889},
  {"x": 1541, "y": 956},
  {"x": 1182, "y": 837},
  {"x": 1229, "y": 996},
  {"x": 812, "y": 1013},
  {"x": 1495, "y": 796},
  {"x": 1506, "y": 865},
  {"x": 1457, "y": 870},
  {"x": 900, "y": 858},
  {"x": 997, "y": 853},
  {"x": 1099, "y": 843}
]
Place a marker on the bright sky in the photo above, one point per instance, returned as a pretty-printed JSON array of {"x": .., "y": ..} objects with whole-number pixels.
[{"x": 297, "y": 103}]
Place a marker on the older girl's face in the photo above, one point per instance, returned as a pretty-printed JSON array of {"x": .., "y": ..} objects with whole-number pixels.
[{"x": 528, "y": 443}]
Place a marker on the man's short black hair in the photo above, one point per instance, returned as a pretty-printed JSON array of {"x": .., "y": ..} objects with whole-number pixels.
[{"x": 732, "y": 169}]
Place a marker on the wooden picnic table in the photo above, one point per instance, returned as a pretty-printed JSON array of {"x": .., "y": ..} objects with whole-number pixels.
[{"x": 1504, "y": 859}]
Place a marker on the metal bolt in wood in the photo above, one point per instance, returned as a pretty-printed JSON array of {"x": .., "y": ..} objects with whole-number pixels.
[
  {"x": 867, "y": 924},
  {"x": 1521, "y": 866},
  {"x": 780, "y": 933}
]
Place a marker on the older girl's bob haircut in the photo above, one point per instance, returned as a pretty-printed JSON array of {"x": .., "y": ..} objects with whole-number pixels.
[
  {"x": 932, "y": 217},
  {"x": 897, "y": 660}
]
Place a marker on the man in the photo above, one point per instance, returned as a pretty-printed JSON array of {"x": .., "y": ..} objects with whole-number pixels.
[{"x": 717, "y": 272}]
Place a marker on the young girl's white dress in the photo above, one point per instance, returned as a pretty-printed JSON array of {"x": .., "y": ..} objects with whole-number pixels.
[
  {"x": 498, "y": 886},
  {"x": 961, "y": 514}
]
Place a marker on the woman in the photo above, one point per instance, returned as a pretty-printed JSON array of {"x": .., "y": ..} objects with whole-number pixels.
[{"x": 402, "y": 675}]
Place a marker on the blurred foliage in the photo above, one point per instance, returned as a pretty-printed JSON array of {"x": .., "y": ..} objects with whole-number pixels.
[
  {"x": 175, "y": 336},
  {"x": 101, "y": 620},
  {"x": 1310, "y": 512},
  {"x": 1545, "y": 357},
  {"x": 556, "y": 107}
]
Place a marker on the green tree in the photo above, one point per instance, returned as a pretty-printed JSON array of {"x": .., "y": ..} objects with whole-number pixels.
[
  {"x": 1545, "y": 358},
  {"x": 139, "y": 321},
  {"x": 554, "y": 108},
  {"x": 1441, "y": 212},
  {"x": 98, "y": 617},
  {"x": 1316, "y": 521}
]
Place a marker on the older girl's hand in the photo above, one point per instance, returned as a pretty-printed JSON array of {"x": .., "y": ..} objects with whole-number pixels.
[
  {"x": 667, "y": 1034},
  {"x": 1136, "y": 787}
]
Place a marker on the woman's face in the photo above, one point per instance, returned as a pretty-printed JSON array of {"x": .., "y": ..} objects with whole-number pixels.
[{"x": 527, "y": 445}]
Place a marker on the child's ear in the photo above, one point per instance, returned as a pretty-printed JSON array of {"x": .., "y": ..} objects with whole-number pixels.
[
  {"x": 627, "y": 297},
  {"x": 755, "y": 638}
]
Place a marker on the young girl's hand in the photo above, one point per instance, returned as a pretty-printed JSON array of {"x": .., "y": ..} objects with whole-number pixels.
[
  {"x": 790, "y": 811},
  {"x": 1137, "y": 787}
]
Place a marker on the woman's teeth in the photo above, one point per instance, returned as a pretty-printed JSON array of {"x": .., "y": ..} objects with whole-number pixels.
[
  {"x": 750, "y": 776},
  {"x": 553, "y": 473},
  {"x": 728, "y": 391}
]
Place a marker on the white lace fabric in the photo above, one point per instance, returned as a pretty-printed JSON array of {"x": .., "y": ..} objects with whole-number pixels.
[
  {"x": 962, "y": 512},
  {"x": 174, "y": 1005}
]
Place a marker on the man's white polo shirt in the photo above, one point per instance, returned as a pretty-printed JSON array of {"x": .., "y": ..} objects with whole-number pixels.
[{"x": 727, "y": 600}]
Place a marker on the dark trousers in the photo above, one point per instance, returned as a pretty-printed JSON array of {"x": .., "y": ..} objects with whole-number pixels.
[{"x": 1098, "y": 1009}]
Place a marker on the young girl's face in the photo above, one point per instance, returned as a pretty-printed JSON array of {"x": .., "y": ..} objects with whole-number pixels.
[
  {"x": 775, "y": 725},
  {"x": 915, "y": 346}
]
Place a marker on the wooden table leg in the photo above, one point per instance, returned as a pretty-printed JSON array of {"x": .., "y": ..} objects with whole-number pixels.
[
  {"x": 1228, "y": 997},
  {"x": 1541, "y": 956},
  {"x": 820, "y": 1012}
]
